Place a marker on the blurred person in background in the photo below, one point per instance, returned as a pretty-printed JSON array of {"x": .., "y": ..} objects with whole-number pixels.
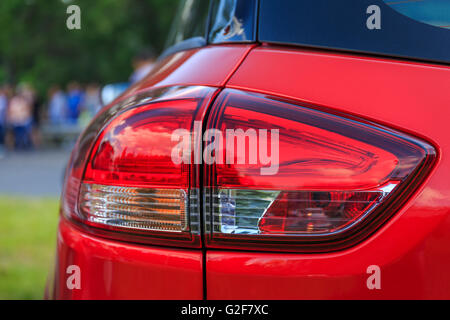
[
  {"x": 4, "y": 100},
  {"x": 143, "y": 63},
  {"x": 75, "y": 97},
  {"x": 29, "y": 93},
  {"x": 91, "y": 104},
  {"x": 37, "y": 117},
  {"x": 19, "y": 117},
  {"x": 57, "y": 106}
]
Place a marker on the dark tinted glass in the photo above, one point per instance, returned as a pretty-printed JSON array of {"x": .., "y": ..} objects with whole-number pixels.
[
  {"x": 233, "y": 21},
  {"x": 403, "y": 28},
  {"x": 190, "y": 21},
  {"x": 432, "y": 12}
]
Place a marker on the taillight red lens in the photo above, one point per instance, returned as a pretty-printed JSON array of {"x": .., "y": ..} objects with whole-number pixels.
[
  {"x": 131, "y": 188},
  {"x": 293, "y": 177},
  {"x": 135, "y": 148},
  {"x": 315, "y": 211}
]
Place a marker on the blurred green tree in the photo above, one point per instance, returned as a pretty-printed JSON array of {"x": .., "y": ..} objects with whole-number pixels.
[{"x": 37, "y": 47}]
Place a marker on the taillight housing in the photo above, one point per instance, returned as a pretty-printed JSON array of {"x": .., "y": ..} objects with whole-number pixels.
[
  {"x": 123, "y": 183},
  {"x": 266, "y": 173},
  {"x": 307, "y": 178}
]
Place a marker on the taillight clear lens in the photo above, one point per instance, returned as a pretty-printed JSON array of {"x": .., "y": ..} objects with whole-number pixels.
[
  {"x": 300, "y": 178},
  {"x": 131, "y": 188},
  {"x": 136, "y": 208}
]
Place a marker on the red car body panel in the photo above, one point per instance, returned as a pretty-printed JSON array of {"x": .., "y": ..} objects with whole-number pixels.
[
  {"x": 115, "y": 270},
  {"x": 210, "y": 66},
  {"x": 412, "y": 249}
]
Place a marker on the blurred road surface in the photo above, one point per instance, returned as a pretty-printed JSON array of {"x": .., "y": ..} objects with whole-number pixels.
[{"x": 33, "y": 173}]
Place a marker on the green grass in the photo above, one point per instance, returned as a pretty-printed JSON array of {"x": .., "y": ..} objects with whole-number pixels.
[{"x": 27, "y": 245}]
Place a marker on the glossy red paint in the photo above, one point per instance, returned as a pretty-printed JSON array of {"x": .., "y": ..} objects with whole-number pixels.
[
  {"x": 208, "y": 66},
  {"x": 413, "y": 248},
  {"x": 115, "y": 270}
]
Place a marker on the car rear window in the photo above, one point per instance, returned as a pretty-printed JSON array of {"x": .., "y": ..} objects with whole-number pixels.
[
  {"x": 415, "y": 29},
  {"x": 418, "y": 29}
]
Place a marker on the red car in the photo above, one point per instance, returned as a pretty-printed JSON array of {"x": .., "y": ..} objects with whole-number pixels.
[{"x": 278, "y": 150}]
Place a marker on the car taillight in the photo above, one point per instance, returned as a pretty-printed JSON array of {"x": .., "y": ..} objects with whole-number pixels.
[
  {"x": 296, "y": 177},
  {"x": 129, "y": 186},
  {"x": 274, "y": 174}
]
